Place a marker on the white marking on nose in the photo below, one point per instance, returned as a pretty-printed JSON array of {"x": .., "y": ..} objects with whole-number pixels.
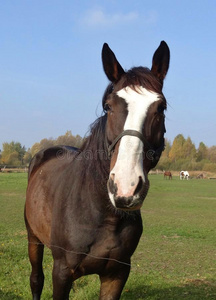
[{"x": 129, "y": 164}]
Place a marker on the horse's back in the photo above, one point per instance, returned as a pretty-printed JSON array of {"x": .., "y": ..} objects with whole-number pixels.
[{"x": 47, "y": 154}]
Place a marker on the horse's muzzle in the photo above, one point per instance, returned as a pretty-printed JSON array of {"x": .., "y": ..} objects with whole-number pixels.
[{"x": 130, "y": 200}]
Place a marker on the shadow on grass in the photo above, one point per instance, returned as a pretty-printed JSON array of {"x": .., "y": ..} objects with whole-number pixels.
[
  {"x": 192, "y": 290},
  {"x": 9, "y": 296}
]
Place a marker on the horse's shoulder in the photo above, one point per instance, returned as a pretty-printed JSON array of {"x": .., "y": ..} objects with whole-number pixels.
[{"x": 46, "y": 154}]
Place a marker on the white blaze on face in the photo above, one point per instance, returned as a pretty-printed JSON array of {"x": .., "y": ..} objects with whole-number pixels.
[{"x": 129, "y": 164}]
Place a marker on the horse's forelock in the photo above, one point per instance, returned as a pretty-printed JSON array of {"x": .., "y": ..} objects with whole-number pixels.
[
  {"x": 140, "y": 76},
  {"x": 135, "y": 78}
]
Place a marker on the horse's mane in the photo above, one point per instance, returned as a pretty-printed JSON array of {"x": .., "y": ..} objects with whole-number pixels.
[
  {"x": 95, "y": 139},
  {"x": 94, "y": 151}
]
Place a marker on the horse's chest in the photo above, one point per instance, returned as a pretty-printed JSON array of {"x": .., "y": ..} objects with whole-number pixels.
[{"x": 109, "y": 249}]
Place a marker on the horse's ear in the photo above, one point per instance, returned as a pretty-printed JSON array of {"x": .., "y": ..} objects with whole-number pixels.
[
  {"x": 112, "y": 67},
  {"x": 160, "y": 61}
]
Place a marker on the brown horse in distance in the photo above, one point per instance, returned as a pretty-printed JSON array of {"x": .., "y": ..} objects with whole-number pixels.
[{"x": 168, "y": 174}]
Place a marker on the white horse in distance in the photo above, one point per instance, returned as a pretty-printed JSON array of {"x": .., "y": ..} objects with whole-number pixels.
[{"x": 184, "y": 175}]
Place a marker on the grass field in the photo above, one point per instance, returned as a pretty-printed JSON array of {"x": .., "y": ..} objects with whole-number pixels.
[{"x": 175, "y": 259}]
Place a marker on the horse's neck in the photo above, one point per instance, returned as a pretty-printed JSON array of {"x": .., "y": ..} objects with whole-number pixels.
[{"x": 95, "y": 162}]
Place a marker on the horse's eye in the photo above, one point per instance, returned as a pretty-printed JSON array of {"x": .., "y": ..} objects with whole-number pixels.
[
  {"x": 161, "y": 108},
  {"x": 107, "y": 107}
]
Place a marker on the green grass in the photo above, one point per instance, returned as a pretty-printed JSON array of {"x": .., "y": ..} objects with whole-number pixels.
[{"x": 175, "y": 259}]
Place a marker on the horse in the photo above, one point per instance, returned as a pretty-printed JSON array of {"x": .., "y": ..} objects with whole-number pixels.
[
  {"x": 167, "y": 174},
  {"x": 184, "y": 175},
  {"x": 84, "y": 204}
]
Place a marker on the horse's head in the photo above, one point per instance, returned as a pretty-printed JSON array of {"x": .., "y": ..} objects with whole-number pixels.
[{"x": 135, "y": 127}]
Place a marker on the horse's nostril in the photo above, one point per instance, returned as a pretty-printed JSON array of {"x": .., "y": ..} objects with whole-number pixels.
[
  {"x": 112, "y": 185},
  {"x": 139, "y": 186}
]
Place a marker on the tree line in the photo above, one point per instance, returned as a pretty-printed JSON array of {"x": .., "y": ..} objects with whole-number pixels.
[
  {"x": 183, "y": 155},
  {"x": 15, "y": 155},
  {"x": 179, "y": 155}
]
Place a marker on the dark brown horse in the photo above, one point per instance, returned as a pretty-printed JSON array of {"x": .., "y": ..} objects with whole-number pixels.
[
  {"x": 168, "y": 174},
  {"x": 84, "y": 204}
]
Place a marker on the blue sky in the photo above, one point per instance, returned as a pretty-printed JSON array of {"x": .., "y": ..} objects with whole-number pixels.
[{"x": 51, "y": 76}]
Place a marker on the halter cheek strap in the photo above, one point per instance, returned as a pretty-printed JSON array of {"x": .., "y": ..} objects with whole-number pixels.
[{"x": 156, "y": 153}]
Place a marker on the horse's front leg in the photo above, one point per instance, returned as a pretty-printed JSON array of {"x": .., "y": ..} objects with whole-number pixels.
[
  {"x": 62, "y": 280},
  {"x": 113, "y": 284}
]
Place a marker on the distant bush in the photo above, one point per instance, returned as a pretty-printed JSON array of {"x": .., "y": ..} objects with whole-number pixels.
[{"x": 211, "y": 167}]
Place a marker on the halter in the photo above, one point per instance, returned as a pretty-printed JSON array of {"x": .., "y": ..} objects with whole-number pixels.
[{"x": 155, "y": 152}]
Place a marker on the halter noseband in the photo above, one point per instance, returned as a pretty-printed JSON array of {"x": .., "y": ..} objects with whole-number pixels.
[{"x": 155, "y": 153}]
